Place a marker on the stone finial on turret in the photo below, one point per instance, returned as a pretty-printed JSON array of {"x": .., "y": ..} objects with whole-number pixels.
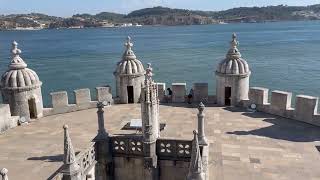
[
  {"x": 195, "y": 168},
  {"x": 128, "y": 44},
  {"x": 102, "y": 133},
  {"x": 4, "y": 174},
  {"x": 129, "y": 54},
  {"x": 16, "y": 62},
  {"x": 233, "y": 52},
  {"x": 202, "y": 138},
  {"x": 71, "y": 169}
]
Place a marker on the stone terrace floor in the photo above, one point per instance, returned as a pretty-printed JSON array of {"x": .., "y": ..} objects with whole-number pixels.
[{"x": 243, "y": 145}]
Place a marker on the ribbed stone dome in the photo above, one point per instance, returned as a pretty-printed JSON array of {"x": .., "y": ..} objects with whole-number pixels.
[
  {"x": 18, "y": 75},
  {"x": 233, "y": 64},
  {"x": 129, "y": 65}
]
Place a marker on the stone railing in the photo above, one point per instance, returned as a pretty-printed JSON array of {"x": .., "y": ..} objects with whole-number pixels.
[
  {"x": 60, "y": 102},
  {"x": 127, "y": 145},
  {"x": 172, "y": 149},
  {"x": 167, "y": 149},
  {"x": 86, "y": 160},
  {"x": 280, "y": 104}
]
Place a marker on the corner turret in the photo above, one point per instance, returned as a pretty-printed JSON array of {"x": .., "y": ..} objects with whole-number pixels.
[
  {"x": 232, "y": 77},
  {"x": 21, "y": 88},
  {"x": 129, "y": 76}
]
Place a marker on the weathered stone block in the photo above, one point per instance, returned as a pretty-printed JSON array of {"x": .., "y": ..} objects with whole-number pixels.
[
  {"x": 200, "y": 92},
  {"x": 306, "y": 108},
  {"x": 104, "y": 94},
  {"x": 178, "y": 92},
  {"x": 161, "y": 91},
  {"x": 258, "y": 95},
  {"x": 82, "y": 96},
  {"x": 5, "y": 117},
  {"x": 59, "y": 99},
  {"x": 280, "y": 102}
]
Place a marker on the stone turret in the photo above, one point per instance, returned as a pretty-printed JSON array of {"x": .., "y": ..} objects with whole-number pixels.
[
  {"x": 21, "y": 88},
  {"x": 232, "y": 77},
  {"x": 129, "y": 76},
  {"x": 71, "y": 169},
  {"x": 150, "y": 122},
  {"x": 196, "y": 171}
]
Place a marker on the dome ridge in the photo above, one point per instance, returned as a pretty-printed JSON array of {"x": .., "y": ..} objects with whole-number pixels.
[
  {"x": 129, "y": 65},
  {"x": 18, "y": 75},
  {"x": 233, "y": 64}
]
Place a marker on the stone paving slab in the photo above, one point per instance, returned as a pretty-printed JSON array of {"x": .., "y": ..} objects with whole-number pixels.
[{"x": 248, "y": 146}]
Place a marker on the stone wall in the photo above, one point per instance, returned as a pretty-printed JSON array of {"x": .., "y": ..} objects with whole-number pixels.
[
  {"x": 6, "y": 120},
  {"x": 280, "y": 104},
  {"x": 60, "y": 102},
  {"x": 180, "y": 93}
]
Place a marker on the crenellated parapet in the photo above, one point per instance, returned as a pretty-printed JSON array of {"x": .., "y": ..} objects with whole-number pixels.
[
  {"x": 305, "y": 108},
  {"x": 7, "y": 121},
  {"x": 60, "y": 101},
  {"x": 200, "y": 93}
]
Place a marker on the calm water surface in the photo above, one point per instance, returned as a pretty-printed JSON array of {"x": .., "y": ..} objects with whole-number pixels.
[{"x": 283, "y": 56}]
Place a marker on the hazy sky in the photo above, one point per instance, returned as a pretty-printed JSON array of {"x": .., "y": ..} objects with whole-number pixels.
[{"x": 70, "y": 7}]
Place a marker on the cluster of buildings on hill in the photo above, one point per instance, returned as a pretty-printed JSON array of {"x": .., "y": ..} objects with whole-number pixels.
[{"x": 110, "y": 156}]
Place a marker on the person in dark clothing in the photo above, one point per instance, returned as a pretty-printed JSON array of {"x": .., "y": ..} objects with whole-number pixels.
[
  {"x": 190, "y": 96},
  {"x": 169, "y": 92},
  {"x": 169, "y": 96}
]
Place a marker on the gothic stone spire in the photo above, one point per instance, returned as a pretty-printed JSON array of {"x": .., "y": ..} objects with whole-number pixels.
[
  {"x": 195, "y": 169},
  {"x": 71, "y": 168},
  {"x": 202, "y": 138}
]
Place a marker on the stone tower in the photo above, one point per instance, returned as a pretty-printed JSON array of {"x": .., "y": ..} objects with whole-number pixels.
[
  {"x": 150, "y": 123},
  {"x": 21, "y": 88},
  {"x": 232, "y": 77},
  {"x": 129, "y": 76}
]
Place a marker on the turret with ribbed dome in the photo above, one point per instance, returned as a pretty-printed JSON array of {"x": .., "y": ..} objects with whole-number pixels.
[
  {"x": 21, "y": 88},
  {"x": 129, "y": 76},
  {"x": 232, "y": 76}
]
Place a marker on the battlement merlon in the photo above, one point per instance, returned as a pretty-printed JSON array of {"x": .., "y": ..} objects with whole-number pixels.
[
  {"x": 60, "y": 101},
  {"x": 305, "y": 106}
]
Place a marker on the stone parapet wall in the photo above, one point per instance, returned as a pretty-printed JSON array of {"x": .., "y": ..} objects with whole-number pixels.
[
  {"x": 180, "y": 93},
  {"x": 6, "y": 120},
  {"x": 305, "y": 109},
  {"x": 60, "y": 102}
]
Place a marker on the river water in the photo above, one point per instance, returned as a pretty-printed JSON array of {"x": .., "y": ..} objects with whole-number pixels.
[{"x": 281, "y": 55}]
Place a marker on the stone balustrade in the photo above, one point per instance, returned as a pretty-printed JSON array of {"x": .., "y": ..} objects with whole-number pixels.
[
  {"x": 86, "y": 160},
  {"x": 173, "y": 149},
  {"x": 167, "y": 149}
]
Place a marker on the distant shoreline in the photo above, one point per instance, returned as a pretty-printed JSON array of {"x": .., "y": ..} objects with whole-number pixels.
[{"x": 158, "y": 25}]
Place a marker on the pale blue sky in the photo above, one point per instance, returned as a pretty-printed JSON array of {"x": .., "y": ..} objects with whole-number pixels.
[{"x": 70, "y": 7}]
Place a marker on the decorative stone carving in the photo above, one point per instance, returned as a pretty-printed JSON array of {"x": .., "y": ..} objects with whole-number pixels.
[
  {"x": 195, "y": 168},
  {"x": 71, "y": 169},
  {"x": 4, "y": 174}
]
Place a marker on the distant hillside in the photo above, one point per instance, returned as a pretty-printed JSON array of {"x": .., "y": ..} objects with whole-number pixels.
[{"x": 164, "y": 16}]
